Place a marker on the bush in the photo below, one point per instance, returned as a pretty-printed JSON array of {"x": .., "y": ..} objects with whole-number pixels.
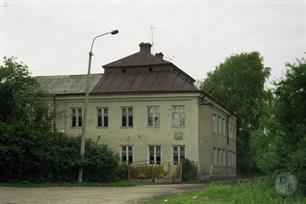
[
  {"x": 190, "y": 170},
  {"x": 39, "y": 155},
  {"x": 28, "y": 149}
]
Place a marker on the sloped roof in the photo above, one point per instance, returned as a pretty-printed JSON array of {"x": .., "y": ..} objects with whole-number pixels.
[
  {"x": 142, "y": 82},
  {"x": 67, "y": 84},
  {"x": 137, "y": 59}
]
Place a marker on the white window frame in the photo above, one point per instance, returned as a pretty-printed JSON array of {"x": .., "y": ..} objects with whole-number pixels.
[
  {"x": 77, "y": 116},
  {"x": 178, "y": 115},
  {"x": 127, "y": 153},
  {"x": 155, "y": 114},
  {"x": 178, "y": 153},
  {"x": 155, "y": 155},
  {"x": 102, "y": 109}
]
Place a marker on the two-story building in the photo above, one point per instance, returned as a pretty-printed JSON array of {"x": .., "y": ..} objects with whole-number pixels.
[{"x": 147, "y": 109}]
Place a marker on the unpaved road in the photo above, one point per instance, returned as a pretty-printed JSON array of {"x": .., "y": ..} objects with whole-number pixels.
[{"x": 90, "y": 195}]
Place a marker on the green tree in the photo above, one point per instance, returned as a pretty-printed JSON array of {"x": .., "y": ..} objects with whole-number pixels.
[
  {"x": 28, "y": 149},
  {"x": 239, "y": 83},
  {"x": 20, "y": 97},
  {"x": 280, "y": 142}
]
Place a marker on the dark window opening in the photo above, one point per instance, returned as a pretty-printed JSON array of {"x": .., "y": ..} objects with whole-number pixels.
[{"x": 150, "y": 69}]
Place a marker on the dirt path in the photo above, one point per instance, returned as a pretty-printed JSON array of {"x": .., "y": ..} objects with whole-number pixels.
[{"x": 90, "y": 195}]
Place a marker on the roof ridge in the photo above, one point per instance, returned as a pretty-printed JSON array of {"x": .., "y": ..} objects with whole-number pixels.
[
  {"x": 144, "y": 59},
  {"x": 68, "y": 75}
]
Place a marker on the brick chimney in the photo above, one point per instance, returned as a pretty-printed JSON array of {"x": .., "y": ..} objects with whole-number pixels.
[
  {"x": 145, "y": 47},
  {"x": 159, "y": 55}
]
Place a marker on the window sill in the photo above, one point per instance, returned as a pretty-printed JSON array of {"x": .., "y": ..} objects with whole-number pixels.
[{"x": 76, "y": 127}]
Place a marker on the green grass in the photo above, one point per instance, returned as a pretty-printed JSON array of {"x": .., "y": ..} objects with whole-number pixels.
[
  {"x": 249, "y": 192},
  {"x": 26, "y": 184}
]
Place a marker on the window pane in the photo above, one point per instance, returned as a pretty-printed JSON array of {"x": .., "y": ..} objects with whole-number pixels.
[
  {"x": 80, "y": 121},
  {"x": 123, "y": 153},
  {"x": 151, "y": 154},
  {"x": 156, "y": 116},
  {"x": 99, "y": 112},
  {"x": 182, "y": 119},
  {"x": 73, "y": 121},
  {"x": 158, "y": 156},
  {"x": 105, "y": 110},
  {"x": 175, "y": 155},
  {"x": 182, "y": 153},
  {"x": 99, "y": 121},
  {"x": 130, "y": 122},
  {"x": 150, "y": 121},
  {"x": 130, "y": 154},
  {"x": 123, "y": 117},
  {"x": 150, "y": 116},
  {"x": 178, "y": 116},
  {"x": 105, "y": 121}
]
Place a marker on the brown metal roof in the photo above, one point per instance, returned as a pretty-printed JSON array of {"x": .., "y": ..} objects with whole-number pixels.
[
  {"x": 67, "y": 84},
  {"x": 137, "y": 59},
  {"x": 142, "y": 82}
]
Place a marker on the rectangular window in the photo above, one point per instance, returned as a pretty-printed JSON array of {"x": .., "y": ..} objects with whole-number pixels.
[
  {"x": 102, "y": 117},
  {"x": 153, "y": 116},
  {"x": 178, "y": 154},
  {"x": 178, "y": 116},
  {"x": 127, "y": 117},
  {"x": 76, "y": 117},
  {"x": 155, "y": 154},
  {"x": 127, "y": 154}
]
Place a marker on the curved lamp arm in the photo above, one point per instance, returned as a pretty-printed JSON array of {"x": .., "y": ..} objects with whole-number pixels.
[{"x": 114, "y": 32}]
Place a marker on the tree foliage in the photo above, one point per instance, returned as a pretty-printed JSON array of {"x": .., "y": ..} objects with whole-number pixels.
[
  {"x": 279, "y": 143},
  {"x": 28, "y": 149},
  {"x": 238, "y": 83},
  {"x": 20, "y": 97}
]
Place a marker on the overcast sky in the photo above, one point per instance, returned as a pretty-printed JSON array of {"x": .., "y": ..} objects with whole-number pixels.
[{"x": 54, "y": 37}]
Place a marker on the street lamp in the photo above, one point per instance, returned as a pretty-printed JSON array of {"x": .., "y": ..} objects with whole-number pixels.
[{"x": 84, "y": 125}]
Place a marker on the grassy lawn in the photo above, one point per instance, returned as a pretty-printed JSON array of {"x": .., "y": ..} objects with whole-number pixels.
[
  {"x": 26, "y": 184},
  {"x": 249, "y": 192}
]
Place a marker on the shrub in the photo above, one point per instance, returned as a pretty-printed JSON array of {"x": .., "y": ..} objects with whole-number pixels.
[
  {"x": 39, "y": 155},
  {"x": 190, "y": 170}
]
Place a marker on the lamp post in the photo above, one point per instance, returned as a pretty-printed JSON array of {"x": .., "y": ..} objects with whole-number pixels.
[{"x": 84, "y": 125}]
